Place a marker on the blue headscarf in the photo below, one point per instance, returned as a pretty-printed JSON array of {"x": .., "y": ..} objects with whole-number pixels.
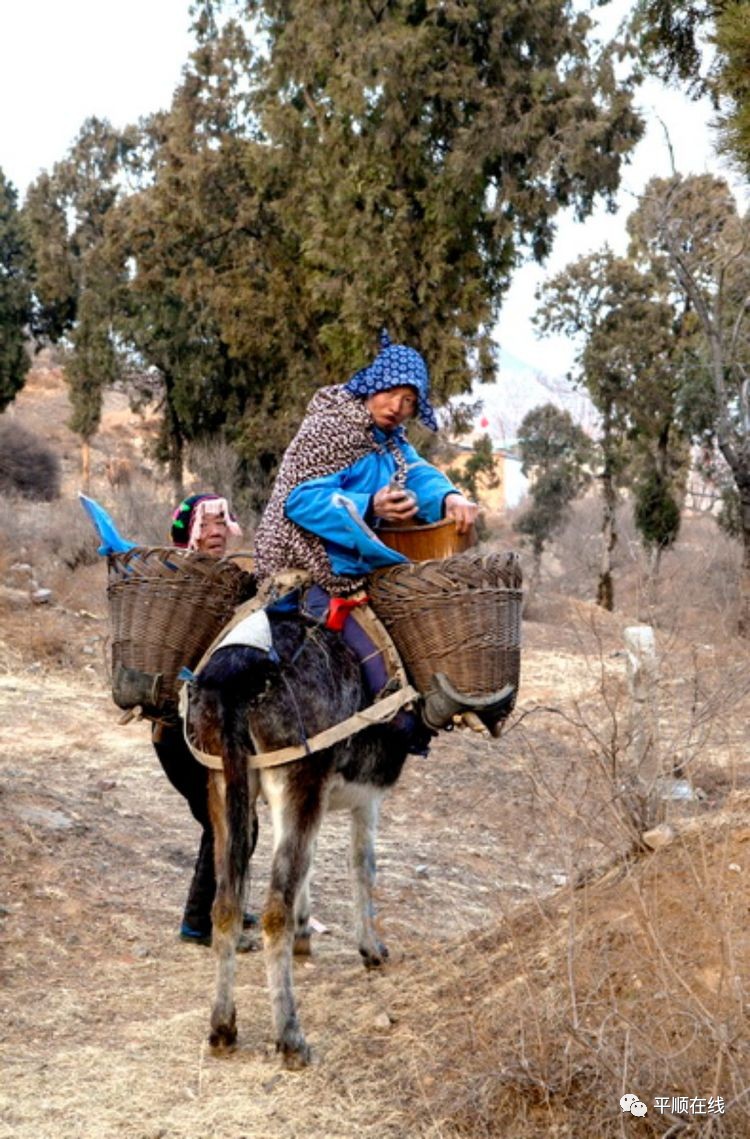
[{"x": 394, "y": 366}]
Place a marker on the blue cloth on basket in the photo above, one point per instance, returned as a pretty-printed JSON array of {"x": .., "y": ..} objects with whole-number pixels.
[{"x": 112, "y": 540}]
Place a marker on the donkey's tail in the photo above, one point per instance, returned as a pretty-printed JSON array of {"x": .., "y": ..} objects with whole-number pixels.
[
  {"x": 237, "y": 803},
  {"x": 234, "y": 677}
]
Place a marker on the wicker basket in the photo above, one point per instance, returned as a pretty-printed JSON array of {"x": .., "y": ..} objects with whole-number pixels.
[
  {"x": 166, "y": 606},
  {"x": 460, "y": 616},
  {"x": 433, "y": 540}
]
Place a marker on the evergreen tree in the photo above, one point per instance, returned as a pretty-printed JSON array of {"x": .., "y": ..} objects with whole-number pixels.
[
  {"x": 692, "y": 228},
  {"x": 705, "y": 46},
  {"x": 55, "y": 295},
  {"x": 478, "y": 472},
  {"x": 198, "y": 236},
  {"x": 365, "y": 166},
  {"x": 370, "y": 167},
  {"x": 15, "y": 296},
  {"x": 78, "y": 284},
  {"x": 673, "y": 35},
  {"x": 425, "y": 147},
  {"x": 555, "y": 452},
  {"x": 732, "y": 40},
  {"x": 634, "y": 343}
]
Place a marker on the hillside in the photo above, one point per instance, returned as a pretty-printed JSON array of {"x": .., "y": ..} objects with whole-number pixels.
[{"x": 539, "y": 970}]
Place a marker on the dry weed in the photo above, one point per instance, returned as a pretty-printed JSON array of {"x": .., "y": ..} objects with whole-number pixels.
[{"x": 635, "y": 982}]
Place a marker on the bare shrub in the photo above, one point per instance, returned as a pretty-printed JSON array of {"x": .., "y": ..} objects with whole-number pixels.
[
  {"x": 596, "y": 993},
  {"x": 47, "y": 535},
  {"x": 216, "y": 466},
  {"x": 698, "y": 588},
  {"x": 501, "y": 531},
  {"x": 140, "y": 508},
  {"x": 697, "y": 692},
  {"x": 119, "y": 472},
  {"x": 28, "y": 640},
  {"x": 28, "y": 466},
  {"x": 60, "y": 536}
]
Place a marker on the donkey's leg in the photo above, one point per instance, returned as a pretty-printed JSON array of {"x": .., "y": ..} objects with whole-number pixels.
[
  {"x": 363, "y": 830},
  {"x": 232, "y": 853},
  {"x": 302, "y": 930},
  {"x": 296, "y": 813}
]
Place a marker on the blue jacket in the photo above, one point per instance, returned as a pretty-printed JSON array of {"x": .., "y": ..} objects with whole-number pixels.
[{"x": 336, "y": 507}]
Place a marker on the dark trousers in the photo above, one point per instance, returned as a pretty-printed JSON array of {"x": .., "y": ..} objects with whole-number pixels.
[
  {"x": 190, "y": 778},
  {"x": 406, "y": 725}
]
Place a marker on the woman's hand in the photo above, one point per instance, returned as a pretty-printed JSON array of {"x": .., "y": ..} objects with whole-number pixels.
[
  {"x": 394, "y": 505},
  {"x": 461, "y": 510}
]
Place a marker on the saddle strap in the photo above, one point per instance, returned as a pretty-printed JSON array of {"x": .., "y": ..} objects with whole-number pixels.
[{"x": 377, "y": 713}]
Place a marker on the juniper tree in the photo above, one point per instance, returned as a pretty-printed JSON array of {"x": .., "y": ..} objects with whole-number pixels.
[
  {"x": 15, "y": 295},
  {"x": 367, "y": 167},
  {"x": 555, "y": 454},
  {"x": 691, "y": 226},
  {"x": 55, "y": 295},
  {"x": 210, "y": 301},
  {"x": 426, "y": 148},
  {"x": 327, "y": 169},
  {"x": 634, "y": 342},
  {"x": 78, "y": 284},
  {"x": 703, "y": 45}
]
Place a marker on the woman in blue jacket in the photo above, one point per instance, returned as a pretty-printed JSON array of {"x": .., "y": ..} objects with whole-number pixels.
[{"x": 350, "y": 469}]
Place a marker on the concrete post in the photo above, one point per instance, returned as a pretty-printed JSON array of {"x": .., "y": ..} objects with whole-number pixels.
[{"x": 643, "y": 676}]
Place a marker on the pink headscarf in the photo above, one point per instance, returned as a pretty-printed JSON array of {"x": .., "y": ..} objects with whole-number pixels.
[{"x": 188, "y": 518}]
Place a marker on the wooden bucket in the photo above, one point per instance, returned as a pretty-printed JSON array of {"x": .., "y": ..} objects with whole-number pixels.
[{"x": 424, "y": 543}]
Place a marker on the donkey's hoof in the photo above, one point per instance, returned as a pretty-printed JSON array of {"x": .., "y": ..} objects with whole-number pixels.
[
  {"x": 222, "y": 1042},
  {"x": 373, "y": 956},
  {"x": 223, "y": 1035},
  {"x": 295, "y": 1054},
  {"x": 303, "y": 945}
]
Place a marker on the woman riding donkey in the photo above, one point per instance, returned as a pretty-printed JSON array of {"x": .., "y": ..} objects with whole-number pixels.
[
  {"x": 285, "y": 708},
  {"x": 349, "y": 470}
]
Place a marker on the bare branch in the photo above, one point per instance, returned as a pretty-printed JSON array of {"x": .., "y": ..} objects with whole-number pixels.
[{"x": 668, "y": 140}]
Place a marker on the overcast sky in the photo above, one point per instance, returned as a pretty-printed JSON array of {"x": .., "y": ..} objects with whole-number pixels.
[
  {"x": 62, "y": 61},
  {"x": 690, "y": 138}
]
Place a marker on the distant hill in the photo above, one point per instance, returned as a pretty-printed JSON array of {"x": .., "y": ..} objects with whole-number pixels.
[{"x": 518, "y": 390}]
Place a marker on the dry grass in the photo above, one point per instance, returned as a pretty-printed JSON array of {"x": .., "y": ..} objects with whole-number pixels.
[
  {"x": 697, "y": 590},
  {"x": 633, "y": 983}
]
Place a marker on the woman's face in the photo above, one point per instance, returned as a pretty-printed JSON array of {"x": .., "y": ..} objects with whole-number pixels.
[
  {"x": 390, "y": 408},
  {"x": 213, "y": 539}
]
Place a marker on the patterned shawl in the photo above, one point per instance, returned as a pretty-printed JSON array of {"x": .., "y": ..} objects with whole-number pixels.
[{"x": 335, "y": 433}]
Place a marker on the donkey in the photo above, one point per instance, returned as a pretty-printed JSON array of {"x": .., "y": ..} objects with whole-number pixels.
[{"x": 248, "y": 701}]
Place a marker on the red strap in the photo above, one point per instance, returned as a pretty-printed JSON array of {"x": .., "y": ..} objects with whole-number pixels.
[{"x": 339, "y": 610}]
